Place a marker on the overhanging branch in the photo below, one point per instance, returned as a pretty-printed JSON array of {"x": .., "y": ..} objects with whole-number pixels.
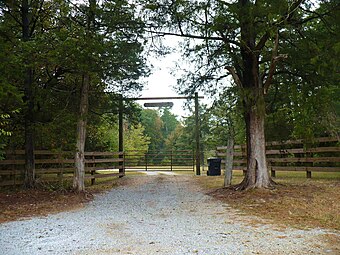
[
  {"x": 215, "y": 38},
  {"x": 274, "y": 60},
  {"x": 236, "y": 78}
]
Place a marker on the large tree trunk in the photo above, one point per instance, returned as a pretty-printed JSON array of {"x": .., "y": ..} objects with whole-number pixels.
[
  {"x": 252, "y": 95},
  {"x": 79, "y": 174},
  {"x": 29, "y": 180},
  {"x": 257, "y": 175}
]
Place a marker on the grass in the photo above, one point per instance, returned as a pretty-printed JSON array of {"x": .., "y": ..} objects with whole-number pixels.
[{"x": 296, "y": 201}]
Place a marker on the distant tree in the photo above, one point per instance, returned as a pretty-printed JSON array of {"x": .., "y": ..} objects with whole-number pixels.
[
  {"x": 153, "y": 125},
  {"x": 136, "y": 142},
  {"x": 170, "y": 122},
  {"x": 22, "y": 25}
]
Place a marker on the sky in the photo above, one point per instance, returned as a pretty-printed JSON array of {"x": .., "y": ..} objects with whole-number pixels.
[{"x": 161, "y": 82}]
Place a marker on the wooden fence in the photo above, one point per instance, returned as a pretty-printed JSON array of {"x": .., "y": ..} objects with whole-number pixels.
[
  {"x": 322, "y": 155},
  {"x": 49, "y": 165}
]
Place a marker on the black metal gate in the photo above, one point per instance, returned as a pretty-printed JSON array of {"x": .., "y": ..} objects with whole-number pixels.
[{"x": 168, "y": 160}]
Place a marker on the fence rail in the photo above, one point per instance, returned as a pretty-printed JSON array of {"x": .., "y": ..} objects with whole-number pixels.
[
  {"x": 49, "y": 164},
  {"x": 321, "y": 155}
]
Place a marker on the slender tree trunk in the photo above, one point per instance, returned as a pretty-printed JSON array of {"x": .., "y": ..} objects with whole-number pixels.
[
  {"x": 29, "y": 181},
  {"x": 229, "y": 162},
  {"x": 79, "y": 174}
]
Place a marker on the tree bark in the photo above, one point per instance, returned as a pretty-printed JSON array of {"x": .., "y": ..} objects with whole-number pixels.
[
  {"x": 79, "y": 174},
  {"x": 229, "y": 162},
  {"x": 29, "y": 179},
  {"x": 252, "y": 95},
  {"x": 257, "y": 175}
]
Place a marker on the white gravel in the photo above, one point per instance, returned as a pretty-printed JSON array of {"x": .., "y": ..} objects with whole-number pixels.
[{"x": 155, "y": 215}]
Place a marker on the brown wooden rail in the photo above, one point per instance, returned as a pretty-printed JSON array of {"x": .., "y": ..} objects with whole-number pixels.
[
  {"x": 320, "y": 155},
  {"x": 50, "y": 164}
]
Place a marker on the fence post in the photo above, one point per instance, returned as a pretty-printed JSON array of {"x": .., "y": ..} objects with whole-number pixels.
[
  {"x": 146, "y": 161},
  {"x": 193, "y": 160},
  {"x": 93, "y": 180},
  {"x": 123, "y": 163},
  {"x": 121, "y": 133},
  {"x": 171, "y": 160},
  {"x": 272, "y": 172},
  {"x": 61, "y": 164},
  {"x": 309, "y": 173},
  {"x": 14, "y": 176}
]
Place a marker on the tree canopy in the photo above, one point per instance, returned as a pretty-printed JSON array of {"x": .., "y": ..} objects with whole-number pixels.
[{"x": 271, "y": 66}]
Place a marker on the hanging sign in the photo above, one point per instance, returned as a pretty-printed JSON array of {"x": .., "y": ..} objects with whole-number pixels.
[{"x": 159, "y": 104}]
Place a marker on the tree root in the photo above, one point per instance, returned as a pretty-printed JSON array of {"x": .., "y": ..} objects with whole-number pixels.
[{"x": 245, "y": 185}]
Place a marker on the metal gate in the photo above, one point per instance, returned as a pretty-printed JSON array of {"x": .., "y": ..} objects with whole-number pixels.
[{"x": 167, "y": 160}]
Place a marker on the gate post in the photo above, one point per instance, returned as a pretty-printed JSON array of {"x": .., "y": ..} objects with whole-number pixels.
[
  {"x": 197, "y": 135},
  {"x": 171, "y": 160},
  {"x": 121, "y": 136}
]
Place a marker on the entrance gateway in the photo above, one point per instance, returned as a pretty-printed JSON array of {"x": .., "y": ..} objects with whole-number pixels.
[{"x": 197, "y": 125}]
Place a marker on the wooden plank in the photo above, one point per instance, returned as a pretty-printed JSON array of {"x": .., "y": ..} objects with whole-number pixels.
[
  {"x": 327, "y": 139},
  {"x": 305, "y": 160},
  {"x": 54, "y": 170},
  {"x": 324, "y": 149},
  {"x": 303, "y": 168},
  {"x": 98, "y": 153},
  {"x": 300, "y": 141},
  {"x": 40, "y": 152},
  {"x": 54, "y": 161},
  {"x": 236, "y": 154},
  {"x": 11, "y": 182},
  {"x": 37, "y": 161},
  {"x": 236, "y": 161},
  {"x": 12, "y": 162},
  {"x": 93, "y": 168},
  {"x": 302, "y": 150},
  {"x": 10, "y": 172},
  {"x": 289, "y": 151},
  {"x": 103, "y": 175},
  {"x": 47, "y": 152},
  {"x": 104, "y": 160},
  {"x": 160, "y": 98}
]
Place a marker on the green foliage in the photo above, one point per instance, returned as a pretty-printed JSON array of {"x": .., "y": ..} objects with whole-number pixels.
[
  {"x": 136, "y": 142},
  {"x": 303, "y": 99},
  {"x": 170, "y": 122},
  {"x": 61, "y": 48},
  {"x": 153, "y": 125}
]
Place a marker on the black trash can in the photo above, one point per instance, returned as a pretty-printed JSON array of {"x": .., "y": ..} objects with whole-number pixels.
[{"x": 214, "y": 166}]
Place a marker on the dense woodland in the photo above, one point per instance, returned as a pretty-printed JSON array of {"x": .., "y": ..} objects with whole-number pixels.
[{"x": 272, "y": 68}]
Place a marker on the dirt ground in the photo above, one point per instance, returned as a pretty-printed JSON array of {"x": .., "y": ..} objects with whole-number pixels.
[
  {"x": 298, "y": 203},
  {"x": 18, "y": 204},
  {"x": 307, "y": 204},
  {"x": 38, "y": 202}
]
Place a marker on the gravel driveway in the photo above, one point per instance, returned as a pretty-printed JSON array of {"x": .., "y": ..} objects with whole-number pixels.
[{"x": 155, "y": 215}]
